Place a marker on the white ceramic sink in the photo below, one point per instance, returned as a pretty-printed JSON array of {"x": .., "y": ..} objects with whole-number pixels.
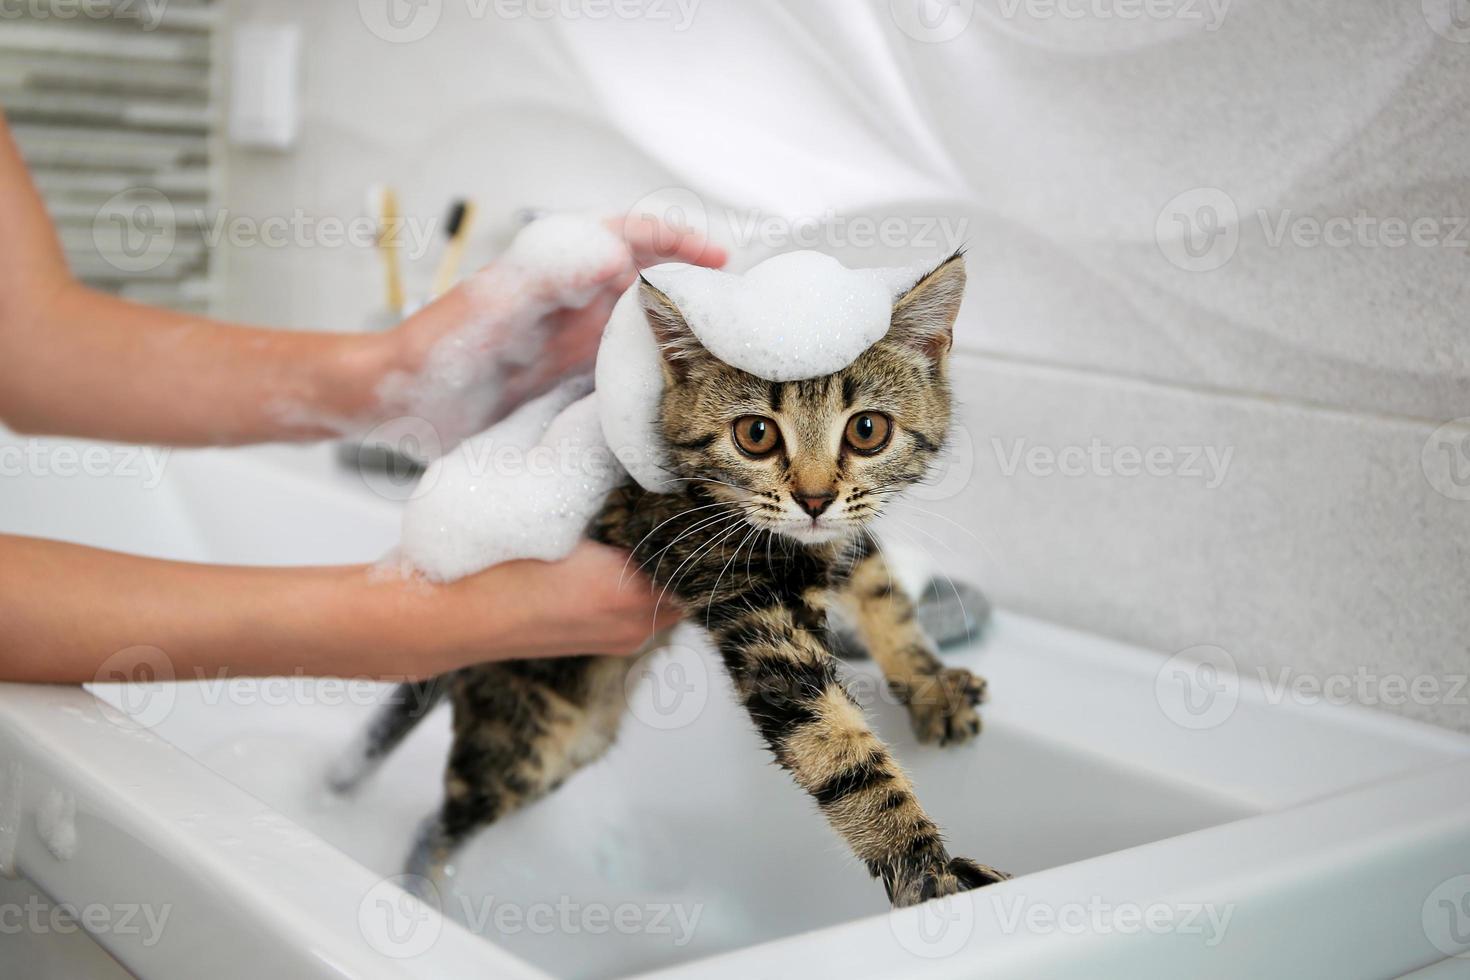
[{"x": 1156, "y": 828}]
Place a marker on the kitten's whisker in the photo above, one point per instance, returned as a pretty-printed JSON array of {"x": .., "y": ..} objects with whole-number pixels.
[
  {"x": 749, "y": 578},
  {"x": 697, "y": 525},
  {"x": 887, "y": 562},
  {"x": 738, "y": 508},
  {"x": 953, "y": 588},
  {"x": 984, "y": 547},
  {"x": 926, "y": 533},
  {"x": 716, "y": 587},
  {"x": 682, "y": 513},
  {"x": 674, "y": 579},
  {"x": 931, "y": 513},
  {"x": 706, "y": 479},
  {"x": 710, "y": 523}
]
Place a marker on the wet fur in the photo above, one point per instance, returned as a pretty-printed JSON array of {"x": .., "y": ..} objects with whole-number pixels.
[{"x": 717, "y": 543}]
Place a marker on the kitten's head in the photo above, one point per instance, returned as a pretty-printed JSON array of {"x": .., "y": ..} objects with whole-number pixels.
[{"x": 814, "y": 460}]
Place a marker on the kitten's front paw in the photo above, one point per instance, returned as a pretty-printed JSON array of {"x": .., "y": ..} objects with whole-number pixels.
[
  {"x": 942, "y": 706},
  {"x": 948, "y": 878}
]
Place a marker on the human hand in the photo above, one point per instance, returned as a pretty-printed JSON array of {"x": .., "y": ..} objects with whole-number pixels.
[
  {"x": 652, "y": 240},
  {"x": 504, "y": 335},
  {"x": 592, "y": 601},
  {"x": 577, "y": 332}
]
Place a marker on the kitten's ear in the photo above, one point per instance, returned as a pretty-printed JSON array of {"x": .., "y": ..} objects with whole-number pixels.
[
  {"x": 676, "y": 341},
  {"x": 923, "y": 317}
]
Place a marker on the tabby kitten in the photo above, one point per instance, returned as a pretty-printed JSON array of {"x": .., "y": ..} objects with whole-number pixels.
[{"x": 794, "y": 471}]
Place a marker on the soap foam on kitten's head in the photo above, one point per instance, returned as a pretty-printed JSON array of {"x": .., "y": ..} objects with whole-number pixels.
[{"x": 815, "y": 459}]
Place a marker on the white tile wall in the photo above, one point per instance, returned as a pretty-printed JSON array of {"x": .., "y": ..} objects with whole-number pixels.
[{"x": 1297, "y": 537}]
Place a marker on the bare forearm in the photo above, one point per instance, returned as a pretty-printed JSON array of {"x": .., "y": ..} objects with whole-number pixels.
[
  {"x": 78, "y": 362},
  {"x": 66, "y": 609},
  {"x": 89, "y": 364}
]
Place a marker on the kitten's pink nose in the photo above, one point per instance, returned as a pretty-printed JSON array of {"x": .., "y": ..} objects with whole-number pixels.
[{"x": 814, "y": 504}]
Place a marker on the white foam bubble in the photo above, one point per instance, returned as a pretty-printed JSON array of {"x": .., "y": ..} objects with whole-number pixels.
[
  {"x": 794, "y": 316},
  {"x": 56, "y": 823},
  {"x": 524, "y": 488},
  {"x": 630, "y": 382},
  {"x": 561, "y": 248}
]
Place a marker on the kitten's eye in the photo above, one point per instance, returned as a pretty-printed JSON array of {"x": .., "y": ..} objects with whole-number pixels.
[
  {"x": 756, "y": 435},
  {"x": 868, "y": 432}
]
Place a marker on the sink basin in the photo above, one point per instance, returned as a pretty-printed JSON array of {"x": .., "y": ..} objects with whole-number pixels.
[{"x": 1163, "y": 817}]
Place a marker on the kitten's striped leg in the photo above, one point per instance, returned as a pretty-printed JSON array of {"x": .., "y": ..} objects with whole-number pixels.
[
  {"x": 787, "y": 679},
  {"x": 941, "y": 700},
  {"x": 520, "y": 729},
  {"x": 405, "y": 707}
]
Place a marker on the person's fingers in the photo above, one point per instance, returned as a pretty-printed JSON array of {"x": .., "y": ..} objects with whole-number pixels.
[
  {"x": 578, "y": 333},
  {"x": 619, "y": 284},
  {"x": 573, "y": 337},
  {"x": 652, "y": 241},
  {"x": 697, "y": 250}
]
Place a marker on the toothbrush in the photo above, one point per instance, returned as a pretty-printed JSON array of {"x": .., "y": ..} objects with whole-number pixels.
[
  {"x": 383, "y": 205},
  {"x": 457, "y": 230}
]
